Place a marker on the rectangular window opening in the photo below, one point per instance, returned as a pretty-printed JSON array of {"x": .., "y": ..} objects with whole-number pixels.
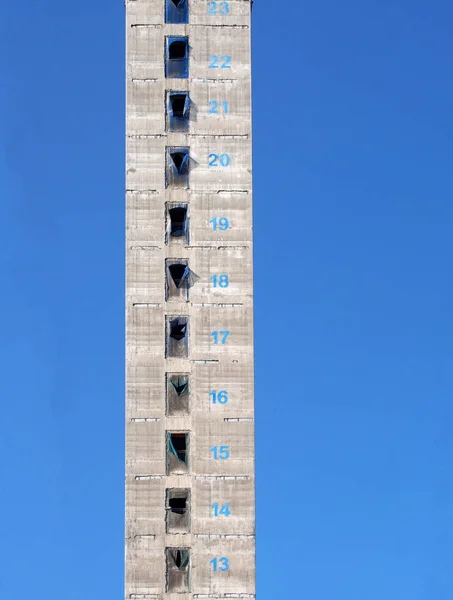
[
  {"x": 177, "y": 57},
  {"x": 178, "y": 510},
  {"x": 178, "y": 570},
  {"x": 179, "y": 279},
  {"x": 178, "y": 394},
  {"x": 178, "y": 111},
  {"x": 177, "y": 167},
  {"x": 177, "y": 452},
  {"x": 177, "y": 222},
  {"x": 176, "y": 11},
  {"x": 177, "y": 337}
]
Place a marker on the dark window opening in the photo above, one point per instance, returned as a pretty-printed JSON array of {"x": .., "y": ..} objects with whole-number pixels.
[
  {"x": 179, "y": 279},
  {"x": 177, "y": 169},
  {"x": 178, "y": 221},
  {"x": 178, "y": 510},
  {"x": 177, "y": 452},
  {"x": 178, "y": 446},
  {"x": 178, "y": 505},
  {"x": 177, "y": 330},
  {"x": 178, "y": 567},
  {"x": 178, "y": 394},
  {"x": 180, "y": 384},
  {"x": 177, "y": 52},
  {"x": 177, "y": 273},
  {"x": 176, "y": 11},
  {"x": 178, "y": 104},
  {"x": 179, "y": 159},
  {"x": 178, "y": 111}
]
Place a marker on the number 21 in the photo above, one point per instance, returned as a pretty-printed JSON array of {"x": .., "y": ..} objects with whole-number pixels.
[{"x": 214, "y": 110}]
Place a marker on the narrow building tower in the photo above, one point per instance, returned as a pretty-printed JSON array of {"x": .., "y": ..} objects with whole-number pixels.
[{"x": 190, "y": 506}]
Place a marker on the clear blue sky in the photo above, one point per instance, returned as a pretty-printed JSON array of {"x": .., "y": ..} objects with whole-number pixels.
[{"x": 353, "y": 153}]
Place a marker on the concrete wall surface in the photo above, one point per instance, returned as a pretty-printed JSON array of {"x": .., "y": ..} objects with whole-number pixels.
[{"x": 212, "y": 540}]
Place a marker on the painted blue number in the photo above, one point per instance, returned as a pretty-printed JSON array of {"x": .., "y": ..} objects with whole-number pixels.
[
  {"x": 223, "y": 8},
  {"x": 220, "y": 452},
  {"x": 214, "y": 110},
  {"x": 221, "y": 223},
  {"x": 220, "y": 280},
  {"x": 220, "y": 564},
  {"x": 224, "y": 510},
  {"x": 214, "y": 160},
  {"x": 220, "y": 335},
  {"x": 214, "y": 104},
  {"x": 219, "y": 397},
  {"x": 225, "y": 62},
  {"x": 214, "y": 62}
]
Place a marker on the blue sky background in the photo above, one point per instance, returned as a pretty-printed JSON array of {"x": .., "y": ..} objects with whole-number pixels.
[{"x": 353, "y": 157}]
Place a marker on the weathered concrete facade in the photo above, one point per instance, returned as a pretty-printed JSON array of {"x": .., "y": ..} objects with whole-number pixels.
[{"x": 190, "y": 507}]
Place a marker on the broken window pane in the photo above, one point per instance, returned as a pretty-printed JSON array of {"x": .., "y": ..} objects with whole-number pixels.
[
  {"x": 176, "y": 11},
  {"x": 178, "y": 570},
  {"x": 177, "y": 167},
  {"x": 178, "y": 109},
  {"x": 177, "y": 57},
  {"x": 177, "y": 337},
  {"x": 177, "y": 452},
  {"x": 179, "y": 279},
  {"x": 178, "y": 394},
  {"x": 178, "y": 510},
  {"x": 177, "y": 223}
]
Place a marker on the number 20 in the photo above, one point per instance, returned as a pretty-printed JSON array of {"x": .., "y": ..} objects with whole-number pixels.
[
  {"x": 215, "y": 159},
  {"x": 218, "y": 8}
]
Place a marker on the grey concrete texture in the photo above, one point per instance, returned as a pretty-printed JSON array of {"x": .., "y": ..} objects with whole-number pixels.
[{"x": 212, "y": 192}]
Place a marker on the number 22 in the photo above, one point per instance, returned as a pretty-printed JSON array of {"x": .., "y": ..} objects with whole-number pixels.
[{"x": 215, "y": 60}]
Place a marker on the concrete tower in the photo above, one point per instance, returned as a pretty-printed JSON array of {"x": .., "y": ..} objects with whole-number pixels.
[{"x": 190, "y": 505}]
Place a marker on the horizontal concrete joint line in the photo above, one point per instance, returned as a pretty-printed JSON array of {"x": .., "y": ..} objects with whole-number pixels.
[
  {"x": 145, "y": 535},
  {"x": 147, "y": 477},
  {"x": 144, "y": 420},
  {"x": 238, "y": 420},
  {"x": 232, "y": 136},
  {"x": 205, "y": 361},
  {"x": 137, "y": 596},
  {"x": 224, "y": 596},
  {"x": 223, "y": 536},
  {"x": 212, "y": 80},
  {"x": 223, "y": 477},
  {"x": 206, "y": 247},
  {"x": 149, "y": 191},
  {"x": 217, "y": 192},
  {"x": 146, "y": 305},
  {"x": 146, "y": 25},
  {"x": 145, "y": 248},
  {"x": 144, "y": 136},
  {"x": 145, "y": 80},
  {"x": 220, "y": 25},
  {"x": 221, "y": 304}
]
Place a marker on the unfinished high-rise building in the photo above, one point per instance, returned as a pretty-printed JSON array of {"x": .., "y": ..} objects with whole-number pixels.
[{"x": 190, "y": 506}]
